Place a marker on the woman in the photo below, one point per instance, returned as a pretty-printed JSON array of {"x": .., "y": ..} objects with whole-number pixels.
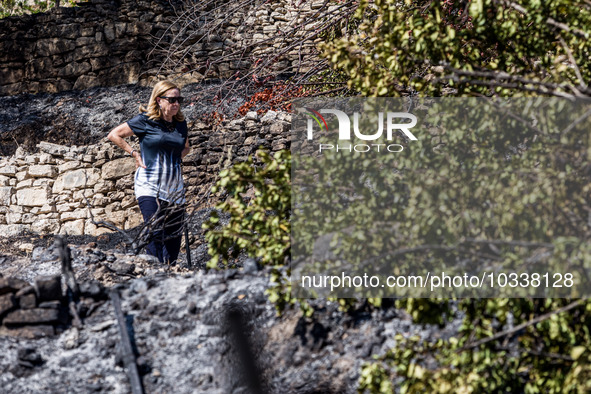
[{"x": 162, "y": 132}]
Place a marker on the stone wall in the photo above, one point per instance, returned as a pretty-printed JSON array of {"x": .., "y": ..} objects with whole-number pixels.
[
  {"x": 98, "y": 43},
  {"x": 59, "y": 189},
  {"x": 111, "y": 42},
  {"x": 31, "y": 311}
]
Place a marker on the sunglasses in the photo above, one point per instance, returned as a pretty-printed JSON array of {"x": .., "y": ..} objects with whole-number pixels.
[{"x": 173, "y": 100}]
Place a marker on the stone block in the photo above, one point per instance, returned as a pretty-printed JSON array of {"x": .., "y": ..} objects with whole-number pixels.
[
  {"x": 32, "y": 197},
  {"x": 43, "y": 182},
  {"x": 11, "y": 285},
  {"x": 5, "y": 193},
  {"x": 91, "y": 229},
  {"x": 48, "y": 288},
  {"x": 7, "y": 303},
  {"x": 124, "y": 183},
  {"x": 74, "y": 180},
  {"x": 128, "y": 202},
  {"x": 42, "y": 171},
  {"x": 69, "y": 165},
  {"x": 4, "y": 180},
  {"x": 86, "y": 82},
  {"x": 104, "y": 187},
  {"x": 118, "y": 218},
  {"x": 45, "y": 158},
  {"x": 74, "y": 215},
  {"x": 28, "y": 332},
  {"x": 277, "y": 128},
  {"x": 27, "y": 301},
  {"x": 109, "y": 32},
  {"x": 82, "y": 195},
  {"x": 45, "y": 226},
  {"x": 118, "y": 168},
  {"x": 8, "y": 170},
  {"x": 11, "y": 230},
  {"x": 120, "y": 29},
  {"x": 45, "y": 209},
  {"x": 31, "y": 316},
  {"x": 14, "y": 218},
  {"x": 11, "y": 75},
  {"x": 75, "y": 69},
  {"x": 24, "y": 184},
  {"x": 52, "y": 149},
  {"x": 134, "y": 219},
  {"x": 74, "y": 227},
  {"x": 54, "y": 46},
  {"x": 21, "y": 175},
  {"x": 65, "y": 207}
]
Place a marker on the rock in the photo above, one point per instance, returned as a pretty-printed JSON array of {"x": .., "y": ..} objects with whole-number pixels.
[
  {"x": 8, "y": 170},
  {"x": 25, "y": 290},
  {"x": 45, "y": 226},
  {"x": 250, "y": 267},
  {"x": 122, "y": 268},
  {"x": 7, "y": 303},
  {"x": 86, "y": 81},
  {"x": 28, "y": 357},
  {"x": 11, "y": 285},
  {"x": 42, "y": 171},
  {"x": 5, "y": 194},
  {"x": 26, "y": 247},
  {"x": 68, "y": 166},
  {"x": 48, "y": 288},
  {"x": 71, "y": 339},
  {"x": 269, "y": 117},
  {"x": 74, "y": 227},
  {"x": 12, "y": 230},
  {"x": 93, "y": 289},
  {"x": 118, "y": 168},
  {"x": 31, "y": 316},
  {"x": 28, "y": 301},
  {"x": 28, "y": 332},
  {"x": 51, "y": 305},
  {"x": 53, "y": 149},
  {"x": 148, "y": 258},
  {"x": 74, "y": 180},
  {"x": 32, "y": 197}
]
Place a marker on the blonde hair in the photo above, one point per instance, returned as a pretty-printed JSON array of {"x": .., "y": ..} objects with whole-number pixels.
[{"x": 153, "y": 110}]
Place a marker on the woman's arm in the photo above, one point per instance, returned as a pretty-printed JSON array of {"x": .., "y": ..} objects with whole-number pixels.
[
  {"x": 186, "y": 150},
  {"x": 117, "y": 136}
]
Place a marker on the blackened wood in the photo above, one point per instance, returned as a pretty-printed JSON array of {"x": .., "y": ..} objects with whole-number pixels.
[{"x": 128, "y": 356}]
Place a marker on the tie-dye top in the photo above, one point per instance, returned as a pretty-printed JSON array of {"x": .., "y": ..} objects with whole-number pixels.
[{"x": 161, "y": 145}]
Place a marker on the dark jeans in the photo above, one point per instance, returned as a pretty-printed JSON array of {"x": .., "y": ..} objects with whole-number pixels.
[{"x": 167, "y": 228}]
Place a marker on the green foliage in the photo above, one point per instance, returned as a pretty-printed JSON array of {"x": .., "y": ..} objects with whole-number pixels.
[
  {"x": 490, "y": 48},
  {"x": 472, "y": 48},
  {"x": 515, "y": 365},
  {"x": 260, "y": 227},
  {"x": 461, "y": 47}
]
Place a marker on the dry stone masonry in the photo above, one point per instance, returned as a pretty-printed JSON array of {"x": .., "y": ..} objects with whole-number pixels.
[
  {"x": 31, "y": 311},
  {"x": 111, "y": 42},
  {"x": 60, "y": 189}
]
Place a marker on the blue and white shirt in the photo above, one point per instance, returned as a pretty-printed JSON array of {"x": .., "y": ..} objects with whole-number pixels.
[{"x": 161, "y": 145}]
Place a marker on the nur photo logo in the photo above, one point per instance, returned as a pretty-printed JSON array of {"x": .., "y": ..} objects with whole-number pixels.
[{"x": 395, "y": 123}]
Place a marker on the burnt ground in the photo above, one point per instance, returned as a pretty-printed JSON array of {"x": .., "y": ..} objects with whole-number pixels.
[
  {"x": 194, "y": 330},
  {"x": 84, "y": 117}
]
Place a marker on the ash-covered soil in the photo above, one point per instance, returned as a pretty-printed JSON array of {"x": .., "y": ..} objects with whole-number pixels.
[
  {"x": 185, "y": 336},
  {"x": 195, "y": 331},
  {"x": 82, "y": 117}
]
